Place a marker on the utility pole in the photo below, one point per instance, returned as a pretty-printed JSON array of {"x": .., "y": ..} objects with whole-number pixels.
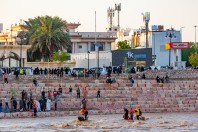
[
  {"x": 146, "y": 19},
  {"x": 195, "y": 33}
]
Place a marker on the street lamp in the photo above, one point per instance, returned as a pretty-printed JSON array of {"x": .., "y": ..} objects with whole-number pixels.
[
  {"x": 98, "y": 45},
  {"x": 171, "y": 36},
  {"x": 21, "y": 36},
  {"x": 88, "y": 52}
]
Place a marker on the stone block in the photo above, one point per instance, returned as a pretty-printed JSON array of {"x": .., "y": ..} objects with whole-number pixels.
[{"x": 2, "y": 115}]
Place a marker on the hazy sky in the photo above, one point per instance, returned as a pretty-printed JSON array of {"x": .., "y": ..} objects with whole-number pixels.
[{"x": 175, "y": 13}]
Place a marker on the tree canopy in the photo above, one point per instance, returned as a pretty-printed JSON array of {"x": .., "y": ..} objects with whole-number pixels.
[
  {"x": 187, "y": 52},
  {"x": 60, "y": 56},
  {"x": 46, "y": 35},
  {"x": 123, "y": 45},
  {"x": 193, "y": 59}
]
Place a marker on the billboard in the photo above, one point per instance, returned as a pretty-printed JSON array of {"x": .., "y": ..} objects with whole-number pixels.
[
  {"x": 138, "y": 56},
  {"x": 179, "y": 45}
]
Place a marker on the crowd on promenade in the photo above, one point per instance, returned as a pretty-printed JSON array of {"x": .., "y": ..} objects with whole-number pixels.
[{"x": 43, "y": 102}]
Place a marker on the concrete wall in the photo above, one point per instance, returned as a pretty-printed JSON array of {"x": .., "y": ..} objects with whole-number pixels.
[{"x": 81, "y": 59}]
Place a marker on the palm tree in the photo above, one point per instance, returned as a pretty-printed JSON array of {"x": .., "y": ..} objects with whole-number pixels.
[{"x": 47, "y": 35}]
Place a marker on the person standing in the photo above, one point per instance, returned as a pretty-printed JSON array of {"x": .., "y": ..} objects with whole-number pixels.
[
  {"x": 55, "y": 94},
  {"x": 38, "y": 106},
  {"x": 78, "y": 92},
  {"x": 6, "y": 104},
  {"x": 70, "y": 91},
  {"x": 60, "y": 90},
  {"x": 56, "y": 102},
  {"x": 138, "y": 113},
  {"x": 43, "y": 94},
  {"x": 34, "y": 107},
  {"x": 24, "y": 105},
  {"x": 49, "y": 94},
  {"x": 126, "y": 112},
  {"x": 15, "y": 104},
  {"x": 5, "y": 78},
  {"x": 22, "y": 94},
  {"x": 48, "y": 104},
  {"x": 98, "y": 93},
  {"x": 1, "y": 106},
  {"x": 131, "y": 113}
]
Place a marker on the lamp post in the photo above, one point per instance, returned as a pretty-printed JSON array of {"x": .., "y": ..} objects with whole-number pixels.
[
  {"x": 98, "y": 45},
  {"x": 171, "y": 36},
  {"x": 195, "y": 32},
  {"x": 88, "y": 52}
]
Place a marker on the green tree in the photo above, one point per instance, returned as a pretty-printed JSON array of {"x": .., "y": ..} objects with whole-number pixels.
[
  {"x": 47, "y": 35},
  {"x": 123, "y": 45},
  {"x": 187, "y": 52},
  {"x": 60, "y": 56},
  {"x": 193, "y": 59}
]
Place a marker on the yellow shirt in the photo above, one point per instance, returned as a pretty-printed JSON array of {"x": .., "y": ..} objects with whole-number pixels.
[{"x": 137, "y": 112}]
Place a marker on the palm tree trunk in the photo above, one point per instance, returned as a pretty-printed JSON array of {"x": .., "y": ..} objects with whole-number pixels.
[{"x": 51, "y": 53}]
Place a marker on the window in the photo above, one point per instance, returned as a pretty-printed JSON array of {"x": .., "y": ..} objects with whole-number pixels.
[
  {"x": 101, "y": 48},
  {"x": 80, "y": 46},
  {"x": 93, "y": 47}
]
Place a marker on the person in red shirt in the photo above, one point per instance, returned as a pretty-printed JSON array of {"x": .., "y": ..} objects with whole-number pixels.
[
  {"x": 55, "y": 93},
  {"x": 34, "y": 107},
  {"x": 131, "y": 113},
  {"x": 49, "y": 94}
]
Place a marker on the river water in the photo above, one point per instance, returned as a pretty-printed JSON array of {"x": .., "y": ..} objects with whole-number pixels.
[{"x": 155, "y": 122}]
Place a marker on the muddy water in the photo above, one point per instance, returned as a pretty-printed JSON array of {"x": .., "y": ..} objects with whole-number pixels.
[{"x": 155, "y": 122}]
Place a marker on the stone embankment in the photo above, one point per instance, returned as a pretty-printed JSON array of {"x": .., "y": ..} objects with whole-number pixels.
[{"x": 149, "y": 96}]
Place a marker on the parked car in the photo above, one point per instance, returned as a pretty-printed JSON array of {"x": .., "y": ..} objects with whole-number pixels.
[{"x": 81, "y": 72}]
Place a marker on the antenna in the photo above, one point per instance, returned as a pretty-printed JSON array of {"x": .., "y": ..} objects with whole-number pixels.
[
  {"x": 146, "y": 19},
  {"x": 110, "y": 18},
  {"x": 118, "y": 8}
]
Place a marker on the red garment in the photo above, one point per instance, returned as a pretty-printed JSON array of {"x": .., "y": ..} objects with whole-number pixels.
[
  {"x": 49, "y": 93},
  {"x": 34, "y": 105},
  {"x": 6, "y": 75},
  {"x": 55, "y": 93},
  {"x": 131, "y": 111}
]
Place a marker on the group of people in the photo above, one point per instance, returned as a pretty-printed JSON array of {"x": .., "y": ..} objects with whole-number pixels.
[
  {"x": 132, "y": 111},
  {"x": 28, "y": 103},
  {"x": 162, "y": 79}
]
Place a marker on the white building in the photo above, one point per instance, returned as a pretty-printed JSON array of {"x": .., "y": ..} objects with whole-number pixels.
[
  {"x": 157, "y": 39},
  {"x": 84, "y": 42}
]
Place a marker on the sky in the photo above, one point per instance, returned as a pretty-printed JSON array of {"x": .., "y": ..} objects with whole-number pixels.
[{"x": 170, "y": 13}]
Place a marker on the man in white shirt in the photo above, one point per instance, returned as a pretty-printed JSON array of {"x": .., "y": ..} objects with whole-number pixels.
[{"x": 6, "y": 104}]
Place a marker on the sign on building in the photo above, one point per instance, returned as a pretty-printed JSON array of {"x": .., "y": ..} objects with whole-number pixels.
[
  {"x": 139, "y": 57},
  {"x": 179, "y": 45}
]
